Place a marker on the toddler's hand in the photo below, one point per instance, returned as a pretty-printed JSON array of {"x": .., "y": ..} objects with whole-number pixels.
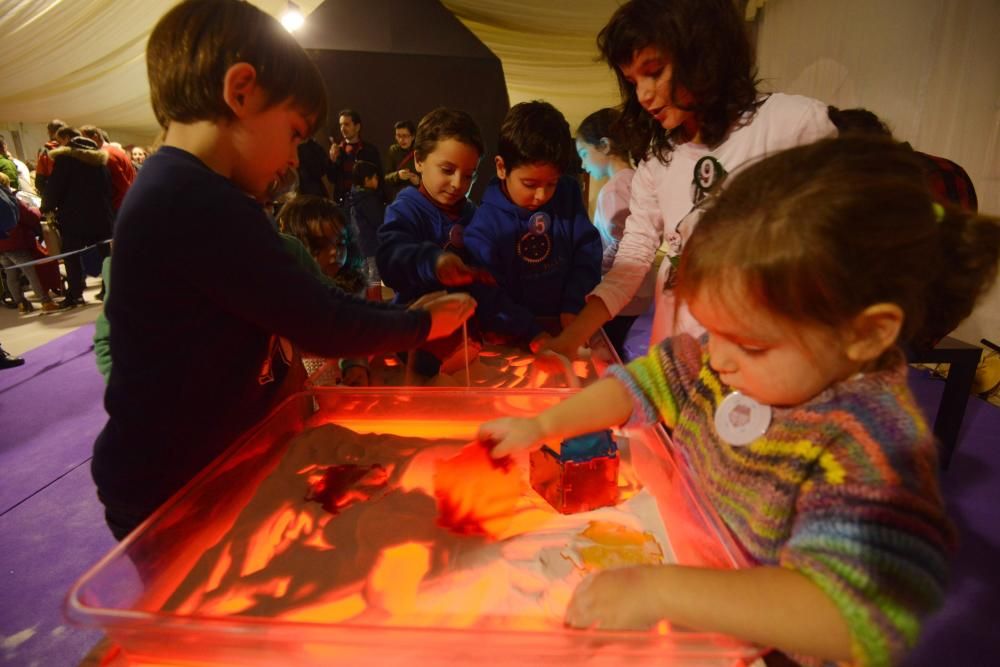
[
  {"x": 448, "y": 312},
  {"x": 620, "y": 599},
  {"x": 511, "y": 434},
  {"x": 453, "y": 272}
]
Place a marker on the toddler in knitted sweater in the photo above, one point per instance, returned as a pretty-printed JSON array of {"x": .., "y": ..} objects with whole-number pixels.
[{"x": 792, "y": 413}]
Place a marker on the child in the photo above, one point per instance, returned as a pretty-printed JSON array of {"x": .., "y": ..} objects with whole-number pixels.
[
  {"x": 421, "y": 243},
  {"x": 532, "y": 230},
  {"x": 693, "y": 114},
  {"x": 367, "y": 213},
  {"x": 830, "y": 487},
  {"x": 205, "y": 293},
  {"x": 314, "y": 231},
  {"x": 604, "y": 153},
  {"x": 315, "y": 226}
]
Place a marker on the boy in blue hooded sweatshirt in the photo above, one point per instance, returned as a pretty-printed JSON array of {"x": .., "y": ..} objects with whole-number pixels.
[{"x": 532, "y": 230}]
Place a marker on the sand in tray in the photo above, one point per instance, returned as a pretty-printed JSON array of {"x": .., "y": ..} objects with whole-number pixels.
[{"x": 375, "y": 551}]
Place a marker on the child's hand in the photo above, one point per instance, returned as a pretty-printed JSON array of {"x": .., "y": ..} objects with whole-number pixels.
[
  {"x": 511, "y": 434},
  {"x": 448, "y": 312},
  {"x": 538, "y": 343},
  {"x": 620, "y": 599},
  {"x": 560, "y": 345},
  {"x": 426, "y": 299},
  {"x": 453, "y": 272}
]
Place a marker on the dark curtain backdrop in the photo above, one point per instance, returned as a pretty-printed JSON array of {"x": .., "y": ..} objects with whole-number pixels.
[{"x": 392, "y": 60}]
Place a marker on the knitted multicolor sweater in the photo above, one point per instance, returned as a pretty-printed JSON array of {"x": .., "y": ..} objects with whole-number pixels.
[{"x": 842, "y": 488}]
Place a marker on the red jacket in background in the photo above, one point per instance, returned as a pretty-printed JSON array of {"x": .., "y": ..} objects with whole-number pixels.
[
  {"x": 122, "y": 173},
  {"x": 44, "y": 165}
]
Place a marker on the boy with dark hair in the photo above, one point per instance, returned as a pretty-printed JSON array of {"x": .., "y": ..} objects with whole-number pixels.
[
  {"x": 367, "y": 212},
  {"x": 205, "y": 294},
  {"x": 532, "y": 230}
]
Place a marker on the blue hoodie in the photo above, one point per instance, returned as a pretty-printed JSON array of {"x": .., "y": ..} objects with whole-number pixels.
[
  {"x": 545, "y": 261},
  {"x": 411, "y": 239}
]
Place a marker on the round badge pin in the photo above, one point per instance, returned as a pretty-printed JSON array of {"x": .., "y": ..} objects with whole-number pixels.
[
  {"x": 739, "y": 420},
  {"x": 535, "y": 245}
]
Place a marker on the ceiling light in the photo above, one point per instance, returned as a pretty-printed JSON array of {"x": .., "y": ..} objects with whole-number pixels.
[{"x": 292, "y": 19}]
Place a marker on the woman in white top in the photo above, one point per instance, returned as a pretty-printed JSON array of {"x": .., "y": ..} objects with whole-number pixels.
[
  {"x": 691, "y": 109},
  {"x": 604, "y": 154}
]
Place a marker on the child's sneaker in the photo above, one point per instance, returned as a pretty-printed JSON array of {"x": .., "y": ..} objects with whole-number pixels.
[
  {"x": 49, "y": 307},
  {"x": 25, "y": 307}
]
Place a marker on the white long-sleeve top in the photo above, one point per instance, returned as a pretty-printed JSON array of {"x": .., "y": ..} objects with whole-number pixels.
[{"x": 663, "y": 194}]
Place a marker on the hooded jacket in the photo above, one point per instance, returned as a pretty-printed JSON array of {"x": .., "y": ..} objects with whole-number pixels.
[
  {"x": 545, "y": 261},
  {"x": 79, "y": 190},
  {"x": 411, "y": 239}
]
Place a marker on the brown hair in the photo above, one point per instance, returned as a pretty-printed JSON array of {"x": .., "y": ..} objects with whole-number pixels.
[
  {"x": 443, "y": 123},
  {"x": 196, "y": 42},
  {"x": 818, "y": 233},
  {"x": 710, "y": 51},
  {"x": 604, "y": 124},
  {"x": 536, "y": 132}
]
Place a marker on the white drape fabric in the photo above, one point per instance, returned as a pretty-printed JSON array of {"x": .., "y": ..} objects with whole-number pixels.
[{"x": 929, "y": 68}]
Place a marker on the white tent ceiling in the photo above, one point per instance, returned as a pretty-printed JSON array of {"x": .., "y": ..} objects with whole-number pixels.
[
  {"x": 927, "y": 66},
  {"x": 83, "y": 60}
]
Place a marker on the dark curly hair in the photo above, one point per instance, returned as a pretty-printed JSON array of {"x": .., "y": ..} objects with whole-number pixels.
[{"x": 712, "y": 59}]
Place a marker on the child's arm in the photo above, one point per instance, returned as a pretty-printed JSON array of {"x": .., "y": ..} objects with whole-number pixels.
[
  {"x": 771, "y": 606},
  {"x": 651, "y": 388},
  {"x": 406, "y": 256},
  {"x": 642, "y": 236},
  {"x": 604, "y": 404}
]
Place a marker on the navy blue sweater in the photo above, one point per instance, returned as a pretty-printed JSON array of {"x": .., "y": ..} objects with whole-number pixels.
[
  {"x": 203, "y": 290},
  {"x": 545, "y": 261},
  {"x": 411, "y": 239}
]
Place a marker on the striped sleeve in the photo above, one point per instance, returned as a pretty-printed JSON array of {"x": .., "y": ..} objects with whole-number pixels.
[
  {"x": 875, "y": 539},
  {"x": 659, "y": 382}
]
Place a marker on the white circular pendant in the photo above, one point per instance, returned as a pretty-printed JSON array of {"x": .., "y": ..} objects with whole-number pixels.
[{"x": 739, "y": 420}]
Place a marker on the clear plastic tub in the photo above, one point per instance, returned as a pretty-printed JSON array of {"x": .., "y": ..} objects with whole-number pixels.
[{"x": 128, "y": 593}]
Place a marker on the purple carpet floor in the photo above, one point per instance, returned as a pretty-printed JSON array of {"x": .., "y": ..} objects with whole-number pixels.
[
  {"x": 51, "y": 523},
  {"x": 52, "y": 527}
]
